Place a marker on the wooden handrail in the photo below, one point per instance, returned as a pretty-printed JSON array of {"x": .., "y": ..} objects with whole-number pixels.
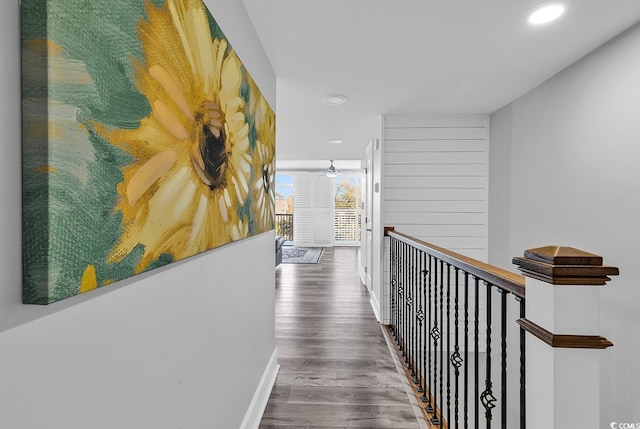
[
  {"x": 503, "y": 279},
  {"x": 564, "y": 341}
]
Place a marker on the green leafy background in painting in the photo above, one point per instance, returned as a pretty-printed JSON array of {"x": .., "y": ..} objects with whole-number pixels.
[{"x": 69, "y": 220}]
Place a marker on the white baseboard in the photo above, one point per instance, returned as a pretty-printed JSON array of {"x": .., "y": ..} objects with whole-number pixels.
[
  {"x": 363, "y": 277},
  {"x": 376, "y": 306},
  {"x": 260, "y": 398}
]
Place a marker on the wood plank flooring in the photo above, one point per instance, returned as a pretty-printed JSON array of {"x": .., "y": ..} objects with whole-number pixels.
[{"x": 336, "y": 370}]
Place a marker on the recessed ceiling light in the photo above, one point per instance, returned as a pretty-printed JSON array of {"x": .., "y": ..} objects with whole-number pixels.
[
  {"x": 335, "y": 99},
  {"x": 335, "y": 141},
  {"x": 545, "y": 13}
]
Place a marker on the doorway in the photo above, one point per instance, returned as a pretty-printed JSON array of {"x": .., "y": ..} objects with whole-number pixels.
[
  {"x": 284, "y": 207},
  {"x": 347, "y": 210}
]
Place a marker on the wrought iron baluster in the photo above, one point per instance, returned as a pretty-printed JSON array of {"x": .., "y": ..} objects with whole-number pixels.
[
  {"x": 476, "y": 379},
  {"x": 423, "y": 328},
  {"x": 405, "y": 350},
  {"x": 402, "y": 297},
  {"x": 456, "y": 359},
  {"x": 400, "y": 302},
  {"x": 398, "y": 285},
  {"x": 394, "y": 307},
  {"x": 523, "y": 379},
  {"x": 429, "y": 406},
  {"x": 398, "y": 280},
  {"x": 503, "y": 363},
  {"x": 448, "y": 343},
  {"x": 418, "y": 311},
  {"x": 393, "y": 261},
  {"x": 418, "y": 314},
  {"x": 411, "y": 310},
  {"x": 397, "y": 293},
  {"x": 435, "y": 336},
  {"x": 408, "y": 303},
  {"x": 396, "y": 335},
  {"x": 392, "y": 277},
  {"x": 442, "y": 333},
  {"x": 487, "y": 398},
  {"x": 417, "y": 308},
  {"x": 466, "y": 351}
]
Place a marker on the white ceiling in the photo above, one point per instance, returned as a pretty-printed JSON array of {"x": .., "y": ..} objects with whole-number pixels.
[{"x": 412, "y": 57}]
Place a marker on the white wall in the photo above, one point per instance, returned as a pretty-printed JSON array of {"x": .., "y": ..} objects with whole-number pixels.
[
  {"x": 567, "y": 154},
  {"x": 182, "y": 346},
  {"x": 434, "y": 182}
]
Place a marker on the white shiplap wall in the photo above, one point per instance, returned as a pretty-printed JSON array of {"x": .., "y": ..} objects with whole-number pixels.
[
  {"x": 435, "y": 177},
  {"x": 435, "y": 185}
]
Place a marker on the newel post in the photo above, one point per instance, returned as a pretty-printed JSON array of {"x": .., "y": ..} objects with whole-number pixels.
[{"x": 562, "y": 324}]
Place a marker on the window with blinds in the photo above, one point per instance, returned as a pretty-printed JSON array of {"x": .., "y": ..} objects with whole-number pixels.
[{"x": 313, "y": 205}]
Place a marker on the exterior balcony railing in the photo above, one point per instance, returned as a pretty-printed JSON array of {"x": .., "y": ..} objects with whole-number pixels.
[
  {"x": 347, "y": 225},
  {"x": 284, "y": 225}
]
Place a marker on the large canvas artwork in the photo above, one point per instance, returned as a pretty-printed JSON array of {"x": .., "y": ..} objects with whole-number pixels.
[{"x": 145, "y": 141}]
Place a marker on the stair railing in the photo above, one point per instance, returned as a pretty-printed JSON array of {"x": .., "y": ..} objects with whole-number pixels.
[{"x": 455, "y": 327}]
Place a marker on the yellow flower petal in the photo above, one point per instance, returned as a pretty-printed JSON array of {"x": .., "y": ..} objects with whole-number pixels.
[
  {"x": 170, "y": 195},
  {"x": 148, "y": 173},
  {"x": 198, "y": 26},
  {"x": 230, "y": 81},
  {"x": 226, "y": 198},
  {"x": 168, "y": 121},
  {"x": 89, "y": 280},
  {"x": 177, "y": 14},
  {"x": 223, "y": 209},
  {"x": 46, "y": 169},
  {"x": 169, "y": 85},
  {"x": 183, "y": 190},
  {"x": 198, "y": 218},
  {"x": 219, "y": 48}
]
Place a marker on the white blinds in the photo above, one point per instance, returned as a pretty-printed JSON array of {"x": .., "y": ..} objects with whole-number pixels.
[{"x": 313, "y": 204}]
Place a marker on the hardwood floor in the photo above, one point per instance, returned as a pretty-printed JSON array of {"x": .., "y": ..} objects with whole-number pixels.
[{"x": 336, "y": 368}]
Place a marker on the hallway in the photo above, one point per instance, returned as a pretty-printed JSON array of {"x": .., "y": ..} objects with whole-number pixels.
[{"x": 336, "y": 369}]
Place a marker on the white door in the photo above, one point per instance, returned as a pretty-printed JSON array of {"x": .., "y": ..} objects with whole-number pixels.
[{"x": 367, "y": 218}]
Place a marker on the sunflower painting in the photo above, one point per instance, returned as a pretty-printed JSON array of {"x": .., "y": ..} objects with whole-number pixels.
[{"x": 145, "y": 141}]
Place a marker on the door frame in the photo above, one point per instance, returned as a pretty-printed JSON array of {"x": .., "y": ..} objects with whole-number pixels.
[{"x": 367, "y": 220}]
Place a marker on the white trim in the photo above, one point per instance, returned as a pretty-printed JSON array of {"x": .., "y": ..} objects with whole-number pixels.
[
  {"x": 260, "y": 398},
  {"x": 375, "y": 305},
  {"x": 363, "y": 277}
]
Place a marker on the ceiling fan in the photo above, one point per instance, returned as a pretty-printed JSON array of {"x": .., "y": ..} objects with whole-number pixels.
[{"x": 331, "y": 171}]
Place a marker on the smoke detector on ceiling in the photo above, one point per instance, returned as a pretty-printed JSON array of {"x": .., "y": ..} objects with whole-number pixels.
[{"x": 335, "y": 99}]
